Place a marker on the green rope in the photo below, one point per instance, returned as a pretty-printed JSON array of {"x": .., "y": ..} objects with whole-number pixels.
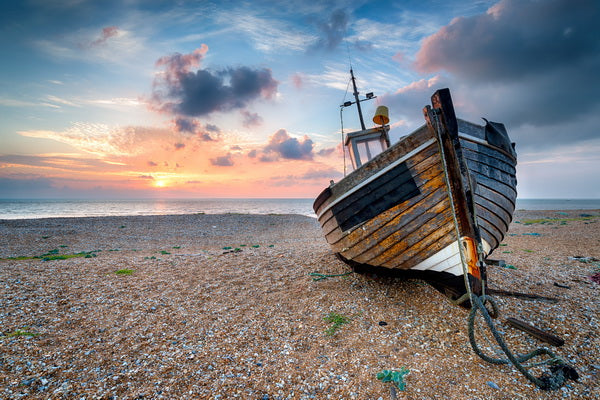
[
  {"x": 560, "y": 371},
  {"x": 323, "y": 276}
]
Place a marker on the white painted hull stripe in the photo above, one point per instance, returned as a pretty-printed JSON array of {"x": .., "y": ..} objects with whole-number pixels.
[
  {"x": 377, "y": 175},
  {"x": 447, "y": 260}
]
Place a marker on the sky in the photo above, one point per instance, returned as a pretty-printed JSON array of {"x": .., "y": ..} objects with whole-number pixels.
[{"x": 202, "y": 99}]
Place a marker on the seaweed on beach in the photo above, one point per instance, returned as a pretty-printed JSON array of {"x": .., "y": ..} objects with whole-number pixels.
[
  {"x": 560, "y": 221},
  {"x": 18, "y": 333},
  {"x": 53, "y": 255},
  {"x": 337, "y": 320},
  {"x": 124, "y": 271}
]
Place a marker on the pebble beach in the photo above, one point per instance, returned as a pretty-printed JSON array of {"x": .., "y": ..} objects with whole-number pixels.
[{"x": 223, "y": 306}]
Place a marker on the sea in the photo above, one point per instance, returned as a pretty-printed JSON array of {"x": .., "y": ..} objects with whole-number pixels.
[{"x": 48, "y": 208}]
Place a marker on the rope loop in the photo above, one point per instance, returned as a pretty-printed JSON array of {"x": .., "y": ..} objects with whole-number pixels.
[{"x": 559, "y": 371}]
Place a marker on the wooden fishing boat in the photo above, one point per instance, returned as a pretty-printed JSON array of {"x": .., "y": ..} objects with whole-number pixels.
[{"x": 432, "y": 206}]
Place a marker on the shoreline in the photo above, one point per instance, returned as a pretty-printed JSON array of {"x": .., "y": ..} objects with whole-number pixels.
[{"x": 197, "y": 318}]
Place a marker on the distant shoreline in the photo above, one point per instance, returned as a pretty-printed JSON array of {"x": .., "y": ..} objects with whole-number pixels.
[{"x": 49, "y": 208}]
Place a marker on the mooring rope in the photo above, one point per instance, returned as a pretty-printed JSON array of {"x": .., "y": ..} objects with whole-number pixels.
[
  {"x": 324, "y": 276},
  {"x": 560, "y": 370}
]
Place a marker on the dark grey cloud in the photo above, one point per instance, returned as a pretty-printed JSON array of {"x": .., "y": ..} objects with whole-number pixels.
[
  {"x": 188, "y": 125},
  {"x": 326, "y": 152},
  {"x": 212, "y": 128},
  {"x": 282, "y": 145},
  {"x": 179, "y": 146},
  {"x": 222, "y": 161},
  {"x": 529, "y": 64},
  {"x": 180, "y": 90},
  {"x": 515, "y": 39},
  {"x": 332, "y": 31},
  {"x": 194, "y": 127},
  {"x": 152, "y": 164}
]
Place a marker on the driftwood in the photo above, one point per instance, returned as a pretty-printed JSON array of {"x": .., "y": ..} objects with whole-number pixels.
[
  {"x": 526, "y": 296},
  {"x": 535, "y": 332}
]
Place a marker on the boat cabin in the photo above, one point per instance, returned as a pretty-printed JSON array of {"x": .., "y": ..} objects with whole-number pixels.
[{"x": 366, "y": 144}]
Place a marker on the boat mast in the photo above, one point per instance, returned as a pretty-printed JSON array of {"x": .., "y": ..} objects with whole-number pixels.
[{"x": 362, "y": 122}]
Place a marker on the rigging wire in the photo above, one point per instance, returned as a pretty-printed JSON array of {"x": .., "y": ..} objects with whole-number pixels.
[{"x": 342, "y": 125}]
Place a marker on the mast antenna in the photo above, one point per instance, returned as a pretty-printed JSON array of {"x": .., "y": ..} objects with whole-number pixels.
[{"x": 357, "y": 100}]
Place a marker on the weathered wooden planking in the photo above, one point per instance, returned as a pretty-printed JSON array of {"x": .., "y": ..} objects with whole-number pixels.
[
  {"x": 457, "y": 169},
  {"x": 507, "y": 189},
  {"x": 424, "y": 169},
  {"x": 404, "y": 146},
  {"x": 490, "y": 216},
  {"x": 378, "y": 229},
  {"x": 428, "y": 247},
  {"x": 321, "y": 198},
  {"x": 415, "y": 162},
  {"x": 428, "y": 220},
  {"x": 496, "y": 202},
  {"x": 488, "y": 155},
  {"x": 379, "y": 195},
  {"x": 393, "y": 219},
  {"x": 374, "y": 242}
]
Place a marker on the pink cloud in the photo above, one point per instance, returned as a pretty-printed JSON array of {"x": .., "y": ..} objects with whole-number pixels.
[{"x": 107, "y": 33}]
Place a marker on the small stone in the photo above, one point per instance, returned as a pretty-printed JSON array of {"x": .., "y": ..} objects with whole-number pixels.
[{"x": 493, "y": 385}]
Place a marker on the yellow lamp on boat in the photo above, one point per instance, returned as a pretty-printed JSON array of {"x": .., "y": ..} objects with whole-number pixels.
[{"x": 381, "y": 115}]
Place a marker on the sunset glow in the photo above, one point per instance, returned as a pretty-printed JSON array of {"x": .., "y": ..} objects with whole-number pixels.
[{"x": 242, "y": 100}]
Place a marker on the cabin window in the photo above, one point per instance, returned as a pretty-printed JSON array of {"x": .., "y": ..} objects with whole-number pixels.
[
  {"x": 363, "y": 151},
  {"x": 365, "y": 145}
]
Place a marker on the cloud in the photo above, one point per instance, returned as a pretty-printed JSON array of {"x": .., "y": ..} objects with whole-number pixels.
[
  {"x": 180, "y": 90},
  {"x": 282, "y": 145},
  {"x": 95, "y": 45},
  {"x": 107, "y": 33},
  {"x": 188, "y": 125},
  {"x": 268, "y": 35},
  {"x": 110, "y": 142},
  {"x": 251, "y": 119},
  {"x": 222, "y": 161},
  {"x": 408, "y": 101},
  {"x": 63, "y": 162},
  {"x": 332, "y": 31},
  {"x": 194, "y": 127},
  {"x": 512, "y": 40},
  {"x": 297, "y": 80},
  {"x": 537, "y": 75},
  {"x": 326, "y": 152},
  {"x": 179, "y": 146},
  {"x": 212, "y": 128},
  {"x": 328, "y": 173},
  {"x": 152, "y": 163},
  {"x": 533, "y": 62}
]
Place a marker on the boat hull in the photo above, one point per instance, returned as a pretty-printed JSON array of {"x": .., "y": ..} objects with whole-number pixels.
[{"x": 395, "y": 214}]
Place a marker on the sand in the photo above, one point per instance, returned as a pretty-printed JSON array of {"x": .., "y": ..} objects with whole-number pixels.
[{"x": 222, "y": 306}]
